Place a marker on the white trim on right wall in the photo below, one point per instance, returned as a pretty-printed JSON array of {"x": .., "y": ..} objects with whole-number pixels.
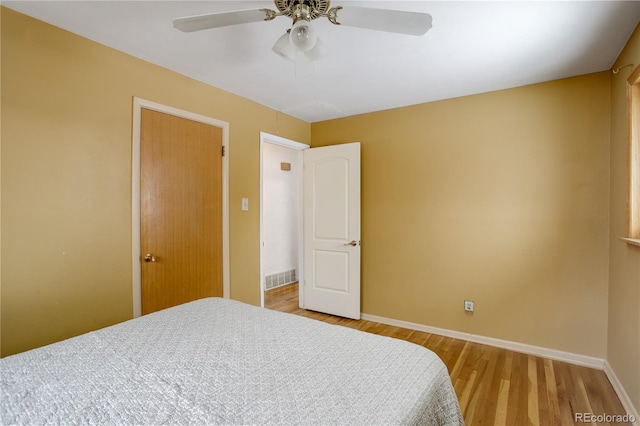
[
  {"x": 622, "y": 394},
  {"x": 582, "y": 360}
]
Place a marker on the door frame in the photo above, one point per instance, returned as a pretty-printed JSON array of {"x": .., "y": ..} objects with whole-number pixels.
[
  {"x": 138, "y": 104},
  {"x": 300, "y": 147}
]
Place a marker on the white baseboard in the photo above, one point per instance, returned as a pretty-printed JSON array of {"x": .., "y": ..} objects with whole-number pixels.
[
  {"x": 622, "y": 394},
  {"x": 583, "y": 360}
]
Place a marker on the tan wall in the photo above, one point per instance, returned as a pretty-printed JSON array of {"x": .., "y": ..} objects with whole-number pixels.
[
  {"x": 66, "y": 178},
  {"x": 501, "y": 198},
  {"x": 623, "y": 354}
]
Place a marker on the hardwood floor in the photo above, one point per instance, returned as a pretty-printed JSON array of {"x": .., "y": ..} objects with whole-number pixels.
[{"x": 494, "y": 386}]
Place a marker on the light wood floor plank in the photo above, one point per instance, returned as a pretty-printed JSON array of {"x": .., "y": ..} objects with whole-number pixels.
[
  {"x": 503, "y": 403},
  {"x": 494, "y": 386},
  {"x": 532, "y": 392},
  {"x": 551, "y": 392}
]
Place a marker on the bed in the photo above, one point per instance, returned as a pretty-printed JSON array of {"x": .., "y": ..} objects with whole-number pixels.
[{"x": 218, "y": 361}]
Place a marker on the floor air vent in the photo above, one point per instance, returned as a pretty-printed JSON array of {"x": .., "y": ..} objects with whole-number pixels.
[{"x": 279, "y": 279}]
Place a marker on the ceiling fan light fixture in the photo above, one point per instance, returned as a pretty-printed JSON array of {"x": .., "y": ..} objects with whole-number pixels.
[
  {"x": 284, "y": 48},
  {"x": 303, "y": 36}
]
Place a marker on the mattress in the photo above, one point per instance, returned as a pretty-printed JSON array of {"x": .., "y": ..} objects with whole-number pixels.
[{"x": 218, "y": 361}]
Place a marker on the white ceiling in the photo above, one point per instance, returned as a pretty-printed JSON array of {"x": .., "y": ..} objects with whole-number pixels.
[{"x": 473, "y": 47}]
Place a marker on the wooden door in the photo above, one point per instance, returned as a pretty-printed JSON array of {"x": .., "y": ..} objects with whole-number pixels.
[
  {"x": 332, "y": 230},
  {"x": 180, "y": 210}
]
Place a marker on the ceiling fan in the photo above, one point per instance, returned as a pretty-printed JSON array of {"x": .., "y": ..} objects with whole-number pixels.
[{"x": 302, "y": 37}]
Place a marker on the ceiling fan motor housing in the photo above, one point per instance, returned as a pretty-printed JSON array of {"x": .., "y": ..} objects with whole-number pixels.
[{"x": 303, "y": 9}]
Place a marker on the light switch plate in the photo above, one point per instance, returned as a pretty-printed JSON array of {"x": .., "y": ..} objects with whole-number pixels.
[{"x": 245, "y": 204}]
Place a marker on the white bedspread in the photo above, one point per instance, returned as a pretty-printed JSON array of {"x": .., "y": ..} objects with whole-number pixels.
[{"x": 216, "y": 361}]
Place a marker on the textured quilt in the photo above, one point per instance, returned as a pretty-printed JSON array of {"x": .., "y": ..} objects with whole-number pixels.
[{"x": 217, "y": 361}]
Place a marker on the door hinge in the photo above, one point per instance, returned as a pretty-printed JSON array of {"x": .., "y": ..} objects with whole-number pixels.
[{"x": 223, "y": 150}]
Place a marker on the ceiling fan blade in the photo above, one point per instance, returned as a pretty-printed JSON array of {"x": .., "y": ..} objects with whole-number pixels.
[
  {"x": 223, "y": 19},
  {"x": 394, "y": 21}
]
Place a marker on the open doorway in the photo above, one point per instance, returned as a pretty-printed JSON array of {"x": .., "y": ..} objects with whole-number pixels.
[{"x": 280, "y": 218}]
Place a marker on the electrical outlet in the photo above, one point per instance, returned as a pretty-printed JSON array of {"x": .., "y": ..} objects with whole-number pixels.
[{"x": 468, "y": 305}]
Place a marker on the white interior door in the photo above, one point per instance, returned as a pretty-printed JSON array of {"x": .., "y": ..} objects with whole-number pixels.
[{"x": 332, "y": 230}]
